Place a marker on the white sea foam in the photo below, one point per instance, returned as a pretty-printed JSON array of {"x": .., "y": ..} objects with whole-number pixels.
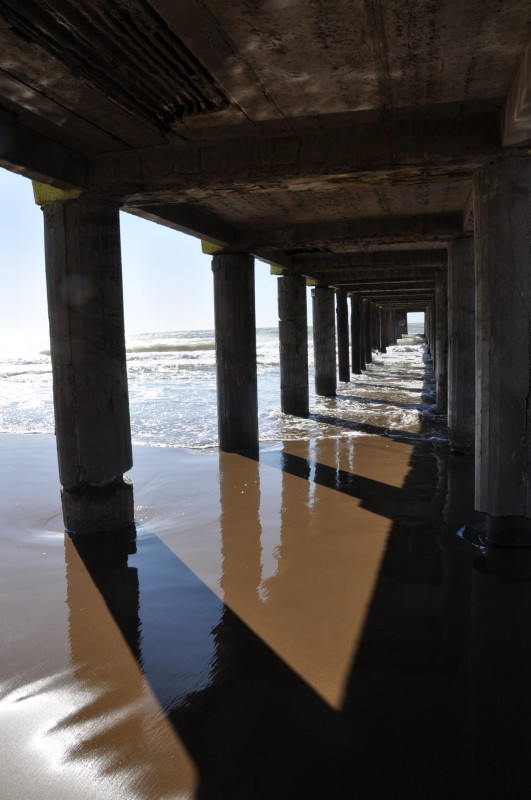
[{"x": 172, "y": 389}]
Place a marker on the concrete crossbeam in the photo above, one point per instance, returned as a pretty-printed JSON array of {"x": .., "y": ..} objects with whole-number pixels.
[
  {"x": 424, "y": 145},
  {"x": 40, "y": 158},
  {"x": 422, "y": 228}
]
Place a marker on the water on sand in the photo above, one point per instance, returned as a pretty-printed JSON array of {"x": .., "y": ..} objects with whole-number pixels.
[{"x": 306, "y": 623}]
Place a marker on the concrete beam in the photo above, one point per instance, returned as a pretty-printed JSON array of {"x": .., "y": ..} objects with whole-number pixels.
[
  {"x": 379, "y": 286},
  {"x": 35, "y": 156},
  {"x": 421, "y": 145},
  {"x": 372, "y": 276},
  {"x": 389, "y": 260},
  {"x": 517, "y": 111},
  {"x": 419, "y": 300},
  {"x": 352, "y": 233},
  {"x": 188, "y": 220}
]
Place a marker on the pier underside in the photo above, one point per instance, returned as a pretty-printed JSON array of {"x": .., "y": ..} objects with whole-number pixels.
[{"x": 373, "y": 151}]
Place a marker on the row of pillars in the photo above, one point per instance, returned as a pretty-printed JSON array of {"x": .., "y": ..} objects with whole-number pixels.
[
  {"x": 83, "y": 266},
  {"x": 372, "y": 327},
  {"x": 479, "y": 334}
]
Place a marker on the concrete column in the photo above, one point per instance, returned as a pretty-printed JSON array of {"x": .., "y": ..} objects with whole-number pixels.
[
  {"x": 441, "y": 336},
  {"x": 85, "y": 309},
  {"x": 382, "y": 346},
  {"x": 391, "y": 340},
  {"x": 293, "y": 342},
  {"x": 363, "y": 333},
  {"x": 502, "y": 199},
  {"x": 368, "y": 331},
  {"x": 324, "y": 341},
  {"x": 461, "y": 345},
  {"x": 375, "y": 327},
  {"x": 427, "y": 327},
  {"x": 355, "y": 333},
  {"x": 432, "y": 339},
  {"x": 235, "y": 351},
  {"x": 342, "y": 337}
]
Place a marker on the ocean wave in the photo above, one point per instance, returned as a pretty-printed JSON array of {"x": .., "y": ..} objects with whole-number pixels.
[{"x": 170, "y": 347}]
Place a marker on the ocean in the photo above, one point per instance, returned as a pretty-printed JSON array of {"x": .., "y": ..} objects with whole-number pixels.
[{"x": 172, "y": 390}]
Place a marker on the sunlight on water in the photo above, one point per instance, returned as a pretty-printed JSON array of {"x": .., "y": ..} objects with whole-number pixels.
[{"x": 172, "y": 389}]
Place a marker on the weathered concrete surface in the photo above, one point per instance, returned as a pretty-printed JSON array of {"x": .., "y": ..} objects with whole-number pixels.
[
  {"x": 235, "y": 351},
  {"x": 293, "y": 343},
  {"x": 85, "y": 308},
  {"x": 461, "y": 346},
  {"x": 355, "y": 334},
  {"x": 503, "y": 344},
  {"x": 343, "y": 361},
  {"x": 367, "y": 314},
  {"x": 517, "y": 112},
  {"x": 441, "y": 336},
  {"x": 324, "y": 341},
  {"x": 284, "y": 130}
]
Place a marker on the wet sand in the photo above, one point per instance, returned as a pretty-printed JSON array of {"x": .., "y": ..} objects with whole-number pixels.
[{"x": 315, "y": 622}]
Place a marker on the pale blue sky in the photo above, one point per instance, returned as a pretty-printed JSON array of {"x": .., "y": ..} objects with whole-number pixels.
[{"x": 167, "y": 279}]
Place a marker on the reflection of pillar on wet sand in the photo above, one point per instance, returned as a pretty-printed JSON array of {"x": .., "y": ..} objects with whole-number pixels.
[
  {"x": 106, "y": 562},
  {"x": 116, "y": 728},
  {"x": 239, "y": 487},
  {"x": 500, "y": 687}
]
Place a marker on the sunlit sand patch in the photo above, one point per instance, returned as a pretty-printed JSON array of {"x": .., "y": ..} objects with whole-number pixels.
[
  {"x": 311, "y": 611},
  {"x": 377, "y": 458}
]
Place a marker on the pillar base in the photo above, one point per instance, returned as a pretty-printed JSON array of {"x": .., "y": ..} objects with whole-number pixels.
[
  {"x": 509, "y": 531},
  {"x": 92, "y": 509}
]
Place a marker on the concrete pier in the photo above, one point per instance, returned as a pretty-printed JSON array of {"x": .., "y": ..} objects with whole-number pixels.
[
  {"x": 502, "y": 198},
  {"x": 293, "y": 344},
  {"x": 85, "y": 309},
  {"x": 368, "y": 330},
  {"x": 355, "y": 334},
  {"x": 343, "y": 360},
  {"x": 363, "y": 333},
  {"x": 234, "y": 314},
  {"x": 441, "y": 336},
  {"x": 324, "y": 341},
  {"x": 461, "y": 345},
  {"x": 382, "y": 330}
]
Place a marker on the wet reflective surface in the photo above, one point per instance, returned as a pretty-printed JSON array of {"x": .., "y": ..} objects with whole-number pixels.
[{"x": 322, "y": 621}]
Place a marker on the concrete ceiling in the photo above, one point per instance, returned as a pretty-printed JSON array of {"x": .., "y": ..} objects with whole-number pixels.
[{"x": 310, "y": 133}]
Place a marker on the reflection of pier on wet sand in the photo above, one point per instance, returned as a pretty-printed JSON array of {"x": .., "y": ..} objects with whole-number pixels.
[{"x": 304, "y": 623}]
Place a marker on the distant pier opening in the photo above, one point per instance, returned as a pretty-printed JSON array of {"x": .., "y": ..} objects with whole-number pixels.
[{"x": 415, "y": 322}]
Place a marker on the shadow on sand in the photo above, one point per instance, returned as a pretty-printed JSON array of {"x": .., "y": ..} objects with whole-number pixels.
[{"x": 438, "y": 700}]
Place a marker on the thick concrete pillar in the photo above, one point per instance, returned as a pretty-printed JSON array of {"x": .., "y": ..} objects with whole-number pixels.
[
  {"x": 85, "y": 309},
  {"x": 461, "y": 345},
  {"x": 382, "y": 345},
  {"x": 293, "y": 342},
  {"x": 342, "y": 337},
  {"x": 363, "y": 333},
  {"x": 502, "y": 219},
  {"x": 427, "y": 327},
  {"x": 375, "y": 327},
  {"x": 355, "y": 333},
  {"x": 368, "y": 331},
  {"x": 441, "y": 337},
  {"x": 324, "y": 341},
  {"x": 391, "y": 339},
  {"x": 432, "y": 339},
  {"x": 234, "y": 314}
]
